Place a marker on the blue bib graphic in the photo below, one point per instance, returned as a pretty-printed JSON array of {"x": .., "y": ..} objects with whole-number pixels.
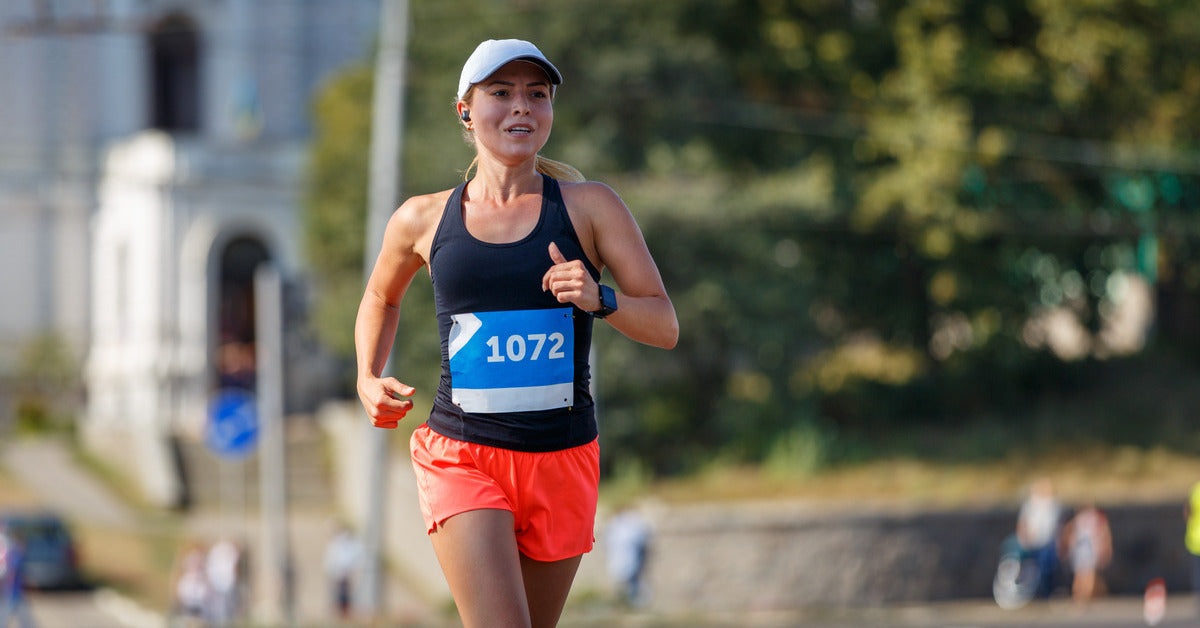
[{"x": 512, "y": 361}]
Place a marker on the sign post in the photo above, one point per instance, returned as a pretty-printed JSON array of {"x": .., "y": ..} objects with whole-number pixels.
[
  {"x": 232, "y": 434},
  {"x": 275, "y": 554}
]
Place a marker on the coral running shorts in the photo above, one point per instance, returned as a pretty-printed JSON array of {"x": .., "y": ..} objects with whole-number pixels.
[{"x": 552, "y": 495}]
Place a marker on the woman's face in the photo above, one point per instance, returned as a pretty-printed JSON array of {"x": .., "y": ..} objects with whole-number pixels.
[{"x": 511, "y": 112}]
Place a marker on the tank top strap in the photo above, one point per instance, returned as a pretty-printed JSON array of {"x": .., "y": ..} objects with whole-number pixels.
[
  {"x": 555, "y": 207},
  {"x": 450, "y": 225},
  {"x": 551, "y": 192},
  {"x": 452, "y": 216}
]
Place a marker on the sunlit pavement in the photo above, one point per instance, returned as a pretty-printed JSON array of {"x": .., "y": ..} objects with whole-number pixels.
[
  {"x": 1113, "y": 612},
  {"x": 79, "y": 609},
  {"x": 104, "y": 609}
]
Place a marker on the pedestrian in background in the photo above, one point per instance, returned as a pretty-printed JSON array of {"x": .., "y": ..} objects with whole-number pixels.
[
  {"x": 1038, "y": 524},
  {"x": 507, "y": 464},
  {"x": 628, "y": 544},
  {"x": 1191, "y": 511},
  {"x": 1087, "y": 541},
  {"x": 222, "y": 567},
  {"x": 190, "y": 591},
  {"x": 12, "y": 587},
  {"x": 343, "y": 559}
]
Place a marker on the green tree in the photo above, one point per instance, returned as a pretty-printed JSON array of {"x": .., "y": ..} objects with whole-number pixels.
[
  {"x": 48, "y": 390},
  {"x": 335, "y": 204},
  {"x": 858, "y": 207}
]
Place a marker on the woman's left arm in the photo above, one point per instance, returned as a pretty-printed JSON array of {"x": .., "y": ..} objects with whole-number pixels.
[{"x": 644, "y": 311}]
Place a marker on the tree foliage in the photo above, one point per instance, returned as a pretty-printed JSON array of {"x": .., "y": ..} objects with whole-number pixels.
[
  {"x": 335, "y": 204},
  {"x": 870, "y": 214}
]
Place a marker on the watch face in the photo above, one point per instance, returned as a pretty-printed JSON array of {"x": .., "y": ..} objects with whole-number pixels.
[{"x": 608, "y": 302}]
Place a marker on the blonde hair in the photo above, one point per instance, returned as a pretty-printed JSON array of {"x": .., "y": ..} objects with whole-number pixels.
[{"x": 544, "y": 165}]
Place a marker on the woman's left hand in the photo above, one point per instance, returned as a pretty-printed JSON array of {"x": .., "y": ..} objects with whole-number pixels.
[{"x": 570, "y": 282}]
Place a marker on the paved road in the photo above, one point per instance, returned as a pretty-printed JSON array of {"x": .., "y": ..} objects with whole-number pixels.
[
  {"x": 1081, "y": 623},
  {"x": 1119, "y": 612},
  {"x": 87, "y": 609},
  {"x": 101, "y": 609}
]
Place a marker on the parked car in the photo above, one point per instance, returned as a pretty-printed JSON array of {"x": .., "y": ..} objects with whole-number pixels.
[{"x": 51, "y": 557}]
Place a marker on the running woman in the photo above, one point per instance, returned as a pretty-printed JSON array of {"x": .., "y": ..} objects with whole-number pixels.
[{"x": 507, "y": 464}]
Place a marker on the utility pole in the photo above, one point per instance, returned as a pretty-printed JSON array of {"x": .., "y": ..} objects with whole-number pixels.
[
  {"x": 387, "y": 131},
  {"x": 276, "y": 554}
]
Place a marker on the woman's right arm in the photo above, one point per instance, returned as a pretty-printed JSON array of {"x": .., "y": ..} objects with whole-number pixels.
[{"x": 400, "y": 257}]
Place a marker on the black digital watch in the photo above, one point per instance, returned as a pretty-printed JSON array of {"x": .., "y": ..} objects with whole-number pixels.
[{"x": 608, "y": 302}]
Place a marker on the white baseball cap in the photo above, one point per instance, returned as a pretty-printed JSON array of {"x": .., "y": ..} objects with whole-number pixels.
[{"x": 492, "y": 54}]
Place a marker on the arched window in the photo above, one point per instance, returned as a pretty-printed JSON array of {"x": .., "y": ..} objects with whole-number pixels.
[{"x": 175, "y": 75}]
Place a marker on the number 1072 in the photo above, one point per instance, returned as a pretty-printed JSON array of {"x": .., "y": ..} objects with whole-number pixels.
[{"x": 515, "y": 347}]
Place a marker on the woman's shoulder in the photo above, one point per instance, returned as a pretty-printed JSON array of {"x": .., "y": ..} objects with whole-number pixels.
[
  {"x": 418, "y": 216},
  {"x": 592, "y": 195},
  {"x": 426, "y": 202},
  {"x": 423, "y": 207}
]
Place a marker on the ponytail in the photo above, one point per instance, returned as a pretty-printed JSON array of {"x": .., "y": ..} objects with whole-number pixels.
[
  {"x": 549, "y": 167},
  {"x": 558, "y": 170}
]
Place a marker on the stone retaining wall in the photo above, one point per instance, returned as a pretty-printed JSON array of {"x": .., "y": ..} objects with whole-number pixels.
[{"x": 789, "y": 556}]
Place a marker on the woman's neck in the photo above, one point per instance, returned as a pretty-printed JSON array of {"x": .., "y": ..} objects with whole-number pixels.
[{"x": 501, "y": 184}]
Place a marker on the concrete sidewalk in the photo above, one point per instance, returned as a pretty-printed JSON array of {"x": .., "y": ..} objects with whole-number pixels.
[{"x": 49, "y": 469}]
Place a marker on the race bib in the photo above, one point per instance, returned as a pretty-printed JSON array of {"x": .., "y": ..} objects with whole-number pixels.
[{"x": 512, "y": 361}]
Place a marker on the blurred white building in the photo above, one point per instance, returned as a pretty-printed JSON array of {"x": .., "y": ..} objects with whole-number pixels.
[{"x": 151, "y": 156}]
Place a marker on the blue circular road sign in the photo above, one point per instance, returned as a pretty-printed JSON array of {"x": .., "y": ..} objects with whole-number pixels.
[{"x": 232, "y": 423}]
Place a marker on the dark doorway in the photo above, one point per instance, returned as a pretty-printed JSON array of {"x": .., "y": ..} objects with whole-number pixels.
[{"x": 235, "y": 360}]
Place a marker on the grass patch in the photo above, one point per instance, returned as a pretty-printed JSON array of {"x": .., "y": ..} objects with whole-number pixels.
[
  {"x": 114, "y": 480},
  {"x": 132, "y": 562},
  {"x": 1106, "y": 474},
  {"x": 12, "y": 493}
]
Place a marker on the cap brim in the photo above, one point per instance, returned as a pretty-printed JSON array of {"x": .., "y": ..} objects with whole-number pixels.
[{"x": 551, "y": 71}]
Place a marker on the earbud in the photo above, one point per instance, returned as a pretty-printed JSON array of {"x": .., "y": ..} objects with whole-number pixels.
[{"x": 465, "y": 115}]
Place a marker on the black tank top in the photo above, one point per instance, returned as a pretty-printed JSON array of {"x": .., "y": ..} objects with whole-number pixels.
[{"x": 514, "y": 360}]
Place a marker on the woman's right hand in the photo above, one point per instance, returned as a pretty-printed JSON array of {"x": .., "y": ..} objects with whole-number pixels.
[{"x": 381, "y": 397}]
